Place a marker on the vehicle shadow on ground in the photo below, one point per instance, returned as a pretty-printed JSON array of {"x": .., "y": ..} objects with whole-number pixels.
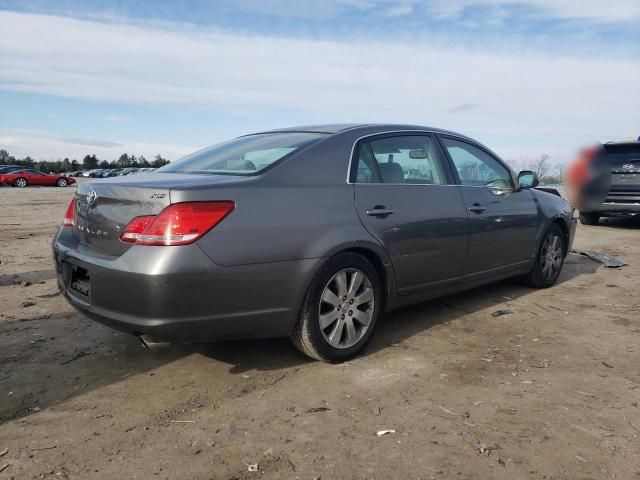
[
  {"x": 620, "y": 222},
  {"x": 46, "y": 360},
  {"x": 407, "y": 322},
  {"x": 394, "y": 327},
  {"x": 31, "y": 277}
]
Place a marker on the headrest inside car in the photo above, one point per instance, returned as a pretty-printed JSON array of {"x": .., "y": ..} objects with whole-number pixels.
[{"x": 391, "y": 172}]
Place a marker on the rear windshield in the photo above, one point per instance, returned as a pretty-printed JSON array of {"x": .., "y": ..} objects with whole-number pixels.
[
  {"x": 244, "y": 155},
  {"x": 618, "y": 154}
]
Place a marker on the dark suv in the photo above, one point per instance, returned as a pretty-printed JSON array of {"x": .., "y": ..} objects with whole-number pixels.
[{"x": 618, "y": 190}]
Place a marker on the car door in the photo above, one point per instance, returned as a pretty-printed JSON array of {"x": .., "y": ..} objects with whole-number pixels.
[
  {"x": 34, "y": 177},
  {"x": 405, "y": 198},
  {"x": 503, "y": 220}
]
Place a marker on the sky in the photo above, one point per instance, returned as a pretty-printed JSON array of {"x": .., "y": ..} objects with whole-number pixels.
[{"x": 525, "y": 77}]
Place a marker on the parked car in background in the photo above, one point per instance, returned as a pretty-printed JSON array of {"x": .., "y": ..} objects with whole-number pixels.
[
  {"x": 110, "y": 172},
  {"x": 604, "y": 181},
  {"x": 28, "y": 176},
  {"x": 10, "y": 168},
  {"x": 309, "y": 232},
  {"x": 126, "y": 171}
]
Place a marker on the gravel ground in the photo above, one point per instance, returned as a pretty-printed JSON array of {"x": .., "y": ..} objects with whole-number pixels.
[{"x": 548, "y": 391}]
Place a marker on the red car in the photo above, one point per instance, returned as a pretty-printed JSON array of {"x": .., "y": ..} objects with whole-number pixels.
[{"x": 28, "y": 176}]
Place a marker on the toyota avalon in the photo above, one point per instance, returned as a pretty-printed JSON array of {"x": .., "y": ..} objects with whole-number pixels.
[{"x": 308, "y": 232}]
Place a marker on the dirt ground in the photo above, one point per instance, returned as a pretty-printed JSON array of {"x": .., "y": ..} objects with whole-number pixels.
[{"x": 548, "y": 391}]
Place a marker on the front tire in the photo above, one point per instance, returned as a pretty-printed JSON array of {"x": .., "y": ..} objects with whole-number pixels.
[
  {"x": 20, "y": 182},
  {"x": 62, "y": 182},
  {"x": 550, "y": 259},
  {"x": 340, "y": 309},
  {"x": 589, "y": 218}
]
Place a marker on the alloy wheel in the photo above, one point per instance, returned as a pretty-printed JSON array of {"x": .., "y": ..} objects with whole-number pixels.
[
  {"x": 62, "y": 182},
  {"x": 346, "y": 308},
  {"x": 551, "y": 255},
  {"x": 21, "y": 182}
]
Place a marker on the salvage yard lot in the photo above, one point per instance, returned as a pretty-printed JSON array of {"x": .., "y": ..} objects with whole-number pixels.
[{"x": 548, "y": 390}]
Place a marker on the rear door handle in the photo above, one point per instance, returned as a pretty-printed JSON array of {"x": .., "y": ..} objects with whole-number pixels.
[
  {"x": 379, "y": 211},
  {"x": 476, "y": 208}
]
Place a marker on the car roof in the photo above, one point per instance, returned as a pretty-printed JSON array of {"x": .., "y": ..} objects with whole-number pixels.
[
  {"x": 371, "y": 128},
  {"x": 623, "y": 142}
]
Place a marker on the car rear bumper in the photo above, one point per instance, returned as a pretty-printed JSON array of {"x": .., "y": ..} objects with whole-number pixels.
[
  {"x": 177, "y": 294},
  {"x": 616, "y": 208}
]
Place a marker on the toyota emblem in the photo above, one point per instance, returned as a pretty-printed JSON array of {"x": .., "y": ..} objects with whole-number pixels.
[{"x": 92, "y": 197}]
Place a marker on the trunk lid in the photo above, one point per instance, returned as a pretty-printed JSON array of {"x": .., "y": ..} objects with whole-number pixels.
[
  {"x": 105, "y": 207},
  {"x": 624, "y": 163}
]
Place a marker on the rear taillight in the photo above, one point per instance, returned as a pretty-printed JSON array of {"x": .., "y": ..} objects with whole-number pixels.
[
  {"x": 177, "y": 224},
  {"x": 589, "y": 154},
  {"x": 70, "y": 215}
]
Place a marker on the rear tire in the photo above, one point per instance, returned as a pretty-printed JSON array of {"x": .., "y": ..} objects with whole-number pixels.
[
  {"x": 589, "y": 218},
  {"x": 340, "y": 309},
  {"x": 61, "y": 182},
  {"x": 20, "y": 182},
  {"x": 549, "y": 260}
]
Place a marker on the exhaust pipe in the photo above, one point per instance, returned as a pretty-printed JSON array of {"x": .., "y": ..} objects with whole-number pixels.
[{"x": 152, "y": 346}]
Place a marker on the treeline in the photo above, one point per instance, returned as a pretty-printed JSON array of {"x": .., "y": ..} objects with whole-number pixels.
[{"x": 88, "y": 162}]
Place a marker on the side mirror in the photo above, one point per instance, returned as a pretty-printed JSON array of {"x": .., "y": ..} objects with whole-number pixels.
[{"x": 528, "y": 179}]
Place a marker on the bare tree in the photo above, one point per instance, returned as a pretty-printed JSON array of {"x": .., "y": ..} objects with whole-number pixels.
[
  {"x": 515, "y": 164},
  {"x": 541, "y": 165}
]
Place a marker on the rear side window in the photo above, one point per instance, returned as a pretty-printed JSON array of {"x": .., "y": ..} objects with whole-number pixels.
[
  {"x": 476, "y": 167},
  {"x": 244, "y": 155},
  {"x": 409, "y": 159}
]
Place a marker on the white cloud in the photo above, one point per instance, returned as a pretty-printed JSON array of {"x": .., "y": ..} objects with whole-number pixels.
[
  {"x": 593, "y": 10},
  {"x": 46, "y": 147},
  {"x": 300, "y": 8},
  {"x": 518, "y": 94},
  {"x": 399, "y": 9},
  {"x": 116, "y": 118}
]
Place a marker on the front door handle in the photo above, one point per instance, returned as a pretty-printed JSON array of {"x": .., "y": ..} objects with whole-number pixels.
[
  {"x": 476, "y": 208},
  {"x": 379, "y": 211}
]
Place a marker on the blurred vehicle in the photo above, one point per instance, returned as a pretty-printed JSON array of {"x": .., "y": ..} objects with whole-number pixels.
[
  {"x": 10, "y": 168},
  {"x": 126, "y": 171},
  {"x": 604, "y": 181},
  {"x": 29, "y": 176},
  {"x": 110, "y": 172}
]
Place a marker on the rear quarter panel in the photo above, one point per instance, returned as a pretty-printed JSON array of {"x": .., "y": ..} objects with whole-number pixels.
[{"x": 301, "y": 209}]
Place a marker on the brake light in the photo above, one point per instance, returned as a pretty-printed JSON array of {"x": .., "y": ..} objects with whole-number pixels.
[
  {"x": 589, "y": 154},
  {"x": 70, "y": 216},
  {"x": 177, "y": 224}
]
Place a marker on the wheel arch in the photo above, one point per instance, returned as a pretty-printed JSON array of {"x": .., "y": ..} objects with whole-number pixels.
[
  {"x": 382, "y": 271},
  {"x": 373, "y": 253},
  {"x": 565, "y": 231}
]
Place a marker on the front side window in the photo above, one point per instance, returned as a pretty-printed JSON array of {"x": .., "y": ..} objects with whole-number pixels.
[
  {"x": 476, "y": 167},
  {"x": 409, "y": 159},
  {"x": 244, "y": 155}
]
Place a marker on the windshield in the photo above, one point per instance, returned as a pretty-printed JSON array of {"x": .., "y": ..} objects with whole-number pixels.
[{"x": 244, "y": 155}]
